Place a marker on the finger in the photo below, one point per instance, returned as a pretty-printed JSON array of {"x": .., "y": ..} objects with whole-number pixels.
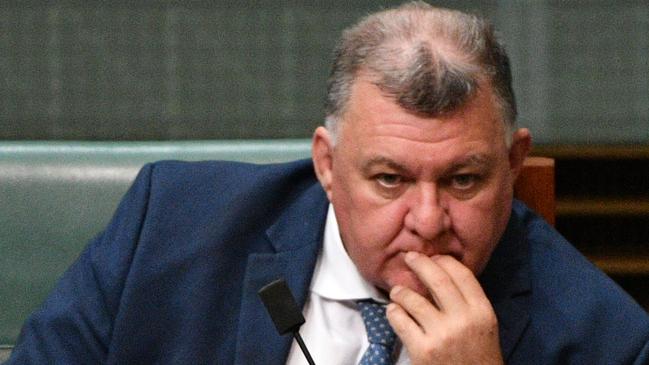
[
  {"x": 418, "y": 308},
  {"x": 403, "y": 325},
  {"x": 463, "y": 277},
  {"x": 439, "y": 283}
]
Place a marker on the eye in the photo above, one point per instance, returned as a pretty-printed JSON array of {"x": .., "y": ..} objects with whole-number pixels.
[
  {"x": 389, "y": 180},
  {"x": 464, "y": 181}
]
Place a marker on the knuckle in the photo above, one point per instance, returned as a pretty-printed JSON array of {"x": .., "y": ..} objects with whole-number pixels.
[
  {"x": 409, "y": 294},
  {"x": 480, "y": 322},
  {"x": 465, "y": 274},
  {"x": 398, "y": 293},
  {"x": 429, "y": 349},
  {"x": 491, "y": 320},
  {"x": 486, "y": 312}
]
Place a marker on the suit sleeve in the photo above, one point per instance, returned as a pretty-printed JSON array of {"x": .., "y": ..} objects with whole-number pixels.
[{"x": 75, "y": 322}]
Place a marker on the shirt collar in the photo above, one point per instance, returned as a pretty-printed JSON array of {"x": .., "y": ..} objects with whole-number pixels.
[{"x": 335, "y": 276}]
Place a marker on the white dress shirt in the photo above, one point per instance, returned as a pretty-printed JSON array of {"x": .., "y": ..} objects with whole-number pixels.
[{"x": 334, "y": 331}]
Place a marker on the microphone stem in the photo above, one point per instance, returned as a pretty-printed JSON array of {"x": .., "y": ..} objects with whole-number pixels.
[{"x": 306, "y": 353}]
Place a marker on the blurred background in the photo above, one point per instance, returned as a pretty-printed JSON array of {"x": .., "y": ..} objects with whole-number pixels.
[
  {"x": 171, "y": 70},
  {"x": 142, "y": 70}
]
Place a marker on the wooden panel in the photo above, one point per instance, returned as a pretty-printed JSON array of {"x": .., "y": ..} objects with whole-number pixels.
[
  {"x": 535, "y": 186},
  {"x": 602, "y": 206},
  {"x": 592, "y": 152},
  {"x": 620, "y": 265}
]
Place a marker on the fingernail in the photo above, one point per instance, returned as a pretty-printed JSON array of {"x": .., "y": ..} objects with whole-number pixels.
[
  {"x": 390, "y": 307},
  {"x": 410, "y": 256},
  {"x": 395, "y": 290}
]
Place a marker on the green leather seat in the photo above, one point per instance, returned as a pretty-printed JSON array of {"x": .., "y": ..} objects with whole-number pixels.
[{"x": 55, "y": 196}]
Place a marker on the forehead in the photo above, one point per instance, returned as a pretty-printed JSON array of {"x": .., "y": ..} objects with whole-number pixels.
[{"x": 371, "y": 115}]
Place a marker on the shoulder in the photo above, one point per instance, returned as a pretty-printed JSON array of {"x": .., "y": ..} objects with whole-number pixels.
[
  {"x": 575, "y": 303},
  {"x": 177, "y": 190},
  {"x": 170, "y": 180},
  {"x": 210, "y": 172},
  {"x": 559, "y": 271}
]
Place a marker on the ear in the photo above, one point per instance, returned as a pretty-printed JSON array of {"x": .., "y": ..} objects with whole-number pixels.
[
  {"x": 322, "y": 155},
  {"x": 521, "y": 145}
]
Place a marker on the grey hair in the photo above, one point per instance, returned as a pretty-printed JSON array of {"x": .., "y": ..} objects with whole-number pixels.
[{"x": 430, "y": 60}]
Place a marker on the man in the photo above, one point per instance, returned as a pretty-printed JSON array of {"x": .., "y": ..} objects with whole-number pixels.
[{"x": 410, "y": 204}]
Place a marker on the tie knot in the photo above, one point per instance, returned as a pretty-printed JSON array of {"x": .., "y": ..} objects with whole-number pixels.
[{"x": 377, "y": 326}]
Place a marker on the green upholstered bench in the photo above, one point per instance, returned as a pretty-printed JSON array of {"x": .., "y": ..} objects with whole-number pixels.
[{"x": 55, "y": 196}]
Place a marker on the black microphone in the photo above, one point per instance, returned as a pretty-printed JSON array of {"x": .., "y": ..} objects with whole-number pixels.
[{"x": 284, "y": 311}]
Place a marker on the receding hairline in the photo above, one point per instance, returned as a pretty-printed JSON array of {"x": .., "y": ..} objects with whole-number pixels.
[{"x": 465, "y": 43}]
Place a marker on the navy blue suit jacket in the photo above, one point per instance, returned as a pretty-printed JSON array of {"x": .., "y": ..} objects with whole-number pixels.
[{"x": 174, "y": 278}]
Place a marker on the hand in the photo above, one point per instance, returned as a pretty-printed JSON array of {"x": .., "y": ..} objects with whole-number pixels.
[{"x": 458, "y": 326}]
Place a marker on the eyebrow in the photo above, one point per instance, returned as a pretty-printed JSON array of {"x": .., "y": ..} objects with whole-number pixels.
[
  {"x": 474, "y": 160},
  {"x": 384, "y": 161}
]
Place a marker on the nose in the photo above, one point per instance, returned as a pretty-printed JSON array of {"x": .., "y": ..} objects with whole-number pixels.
[{"x": 427, "y": 215}]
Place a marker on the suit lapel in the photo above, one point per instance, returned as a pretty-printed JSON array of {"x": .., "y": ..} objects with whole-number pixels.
[
  {"x": 296, "y": 238},
  {"x": 507, "y": 283}
]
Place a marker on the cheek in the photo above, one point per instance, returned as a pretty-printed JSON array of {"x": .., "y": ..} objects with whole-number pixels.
[
  {"x": 479, "y": 224},
  {"x": 367, "y": 233},
  {"x": 367, "y": 229}
]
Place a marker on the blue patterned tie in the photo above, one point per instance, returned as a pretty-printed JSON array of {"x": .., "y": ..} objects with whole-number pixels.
[{"x": 379, "y": 334}]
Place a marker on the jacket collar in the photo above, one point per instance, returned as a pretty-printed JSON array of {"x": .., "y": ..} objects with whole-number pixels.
[{"x": 296, "y": 237}]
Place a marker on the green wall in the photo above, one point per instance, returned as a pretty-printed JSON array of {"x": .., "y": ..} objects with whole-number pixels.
[{"x": 156, "y": 70}]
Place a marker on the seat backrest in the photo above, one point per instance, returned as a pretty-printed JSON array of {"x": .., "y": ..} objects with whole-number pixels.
[
  {"x": 56, "y": 195},
  {"x": 535, "y": 186}
]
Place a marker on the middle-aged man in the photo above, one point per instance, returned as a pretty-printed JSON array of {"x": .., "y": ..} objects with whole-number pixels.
[{"x": 410, "y": 204}]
